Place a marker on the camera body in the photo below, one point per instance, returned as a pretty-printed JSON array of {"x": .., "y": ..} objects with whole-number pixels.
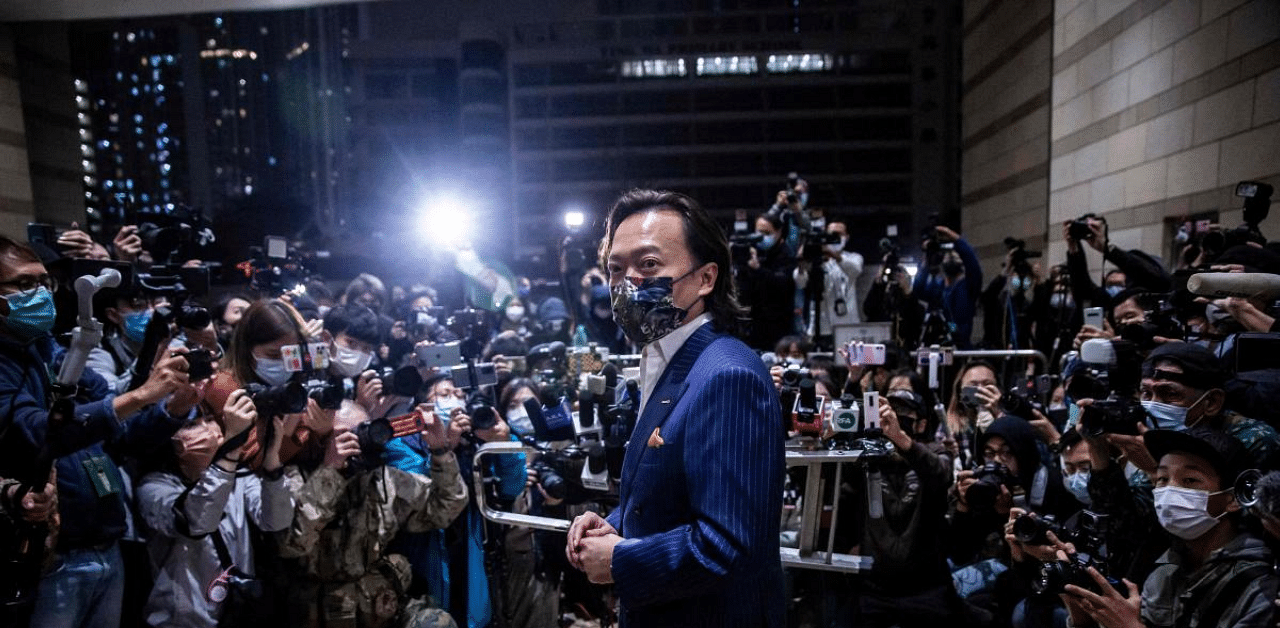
[
  {"x": 269, "y": 401},
  {"x": 1079, "y": 229},
  {"x": 1114, "y": 415},
  {"x": 199, "y": 364},
  {"x": 740, "y": 245},
  {"x": 1056, "y": 575},
  {"x": 989, "y": 477},
  {"x": 327, "y": 394}
]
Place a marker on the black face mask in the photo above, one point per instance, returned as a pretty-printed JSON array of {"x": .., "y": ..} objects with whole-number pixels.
[{"x": 952, "y": 269}]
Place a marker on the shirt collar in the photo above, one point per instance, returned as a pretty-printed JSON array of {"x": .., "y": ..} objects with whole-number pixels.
[{"x": 667, "y": 346}]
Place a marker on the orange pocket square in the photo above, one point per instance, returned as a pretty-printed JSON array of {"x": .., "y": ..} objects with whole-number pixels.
[{"x": 655, "y": 439}]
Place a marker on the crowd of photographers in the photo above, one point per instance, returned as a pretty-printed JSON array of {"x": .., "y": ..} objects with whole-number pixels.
[
  {"x": 305, "y": 457},
  {"x": 1091, "y": 454}
]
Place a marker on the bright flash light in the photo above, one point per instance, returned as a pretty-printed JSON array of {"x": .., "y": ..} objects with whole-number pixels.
[
  {"x": 574, "y": 219},
  {"x": 912, "y": 270},
  {"x": 444, "y": 220}
]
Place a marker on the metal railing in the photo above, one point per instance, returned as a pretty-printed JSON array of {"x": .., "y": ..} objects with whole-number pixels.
[{"x": 805, "y": 556}]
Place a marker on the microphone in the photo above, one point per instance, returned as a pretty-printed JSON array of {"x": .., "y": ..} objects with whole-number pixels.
[
  {"x": 1218, "y": 285},
  {"x": 610, "y": 373},
  {"x": 586, "y": 409}
]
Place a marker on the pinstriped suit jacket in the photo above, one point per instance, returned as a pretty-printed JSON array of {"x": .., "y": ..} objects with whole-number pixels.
[{"x": 700, "y": 513}]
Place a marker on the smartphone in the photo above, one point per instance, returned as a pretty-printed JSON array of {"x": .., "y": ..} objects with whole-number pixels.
[
  {"x": 1093, "y": 317},
  {"x": 41, "y": 233},
  {"x": 865, "y": 354},
  {"x": 969, "y": 397},
  {"x": 444, "y": 355},
  {"x": 871, "y": 410},
  {"x": 276, "y": 247}
]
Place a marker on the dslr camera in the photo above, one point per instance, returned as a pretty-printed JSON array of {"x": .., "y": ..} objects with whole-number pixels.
[{"x": 989, "y": 478}]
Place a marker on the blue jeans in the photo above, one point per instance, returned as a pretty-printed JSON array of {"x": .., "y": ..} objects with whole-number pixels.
[{"x": 86, "y": 591}]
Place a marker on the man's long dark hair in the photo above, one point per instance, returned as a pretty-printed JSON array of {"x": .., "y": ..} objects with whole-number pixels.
[{"x": 703, "y": 237}]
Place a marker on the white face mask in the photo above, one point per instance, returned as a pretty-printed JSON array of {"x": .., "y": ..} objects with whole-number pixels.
[
  {"x": 349, "y": 362},
  {"x": 271, "y": 371},
  {"x": 1078, "y": 485},
  {"x": 1184, "y": 512},
  {"x": 793, "y": 361},
  {"x": 519, "y": 421},
  {"x": 984, "y": 420},
  {"x": 515, "y": 313}
]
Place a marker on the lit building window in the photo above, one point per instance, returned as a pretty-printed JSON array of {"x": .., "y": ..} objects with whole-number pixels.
[
  {"x": 648, "y": 68},
  {"x": 804, "y": 62},
  {"x": 725, "y": 65}
]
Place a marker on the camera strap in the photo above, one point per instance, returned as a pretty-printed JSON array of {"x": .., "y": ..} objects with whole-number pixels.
[{"x": 224, "y": 555}]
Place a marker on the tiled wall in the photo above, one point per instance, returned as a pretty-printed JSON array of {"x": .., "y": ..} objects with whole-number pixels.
[
  {"x": 1141, "y": 110},
  {"x": 1005, "y": 123},
  {"x": 1159, "y": 108}
]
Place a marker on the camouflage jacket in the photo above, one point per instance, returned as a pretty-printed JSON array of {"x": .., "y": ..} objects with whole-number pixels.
[{"x": 342, "y": 525}]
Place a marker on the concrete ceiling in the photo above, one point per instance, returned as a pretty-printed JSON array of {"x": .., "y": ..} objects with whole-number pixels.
[{"x": 65, "y": 10}]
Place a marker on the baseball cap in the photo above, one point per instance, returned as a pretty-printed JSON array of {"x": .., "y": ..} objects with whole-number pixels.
[
  {"x": 1200, "y": 368},
  {"x": 1223, "y": 452}
]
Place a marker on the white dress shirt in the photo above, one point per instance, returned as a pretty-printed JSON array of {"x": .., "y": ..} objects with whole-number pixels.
[{"x": 656, "y": 355}]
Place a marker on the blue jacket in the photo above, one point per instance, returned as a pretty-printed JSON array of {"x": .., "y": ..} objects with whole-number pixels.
[
  {"x": 428, "y": 553},
  {"x": 960, "y": 299},
  {"x": 699, "y": 513},
  {"x": 90, "y": 487}
]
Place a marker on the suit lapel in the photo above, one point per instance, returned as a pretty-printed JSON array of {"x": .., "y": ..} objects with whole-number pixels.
[{"x": 671, "y": 386}]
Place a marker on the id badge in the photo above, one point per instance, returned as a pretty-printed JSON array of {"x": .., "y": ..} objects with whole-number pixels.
[{"x": 101, "y": 475}]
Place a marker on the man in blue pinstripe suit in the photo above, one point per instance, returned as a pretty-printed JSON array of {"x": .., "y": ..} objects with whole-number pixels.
[{"x": 694, "y": 540}]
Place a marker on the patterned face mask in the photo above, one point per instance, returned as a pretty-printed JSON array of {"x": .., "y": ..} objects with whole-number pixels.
[{"x": 645, "y": 308}]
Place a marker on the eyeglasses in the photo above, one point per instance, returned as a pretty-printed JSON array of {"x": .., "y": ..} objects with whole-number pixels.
[
  {"x": 992, "y": 454},
  {"x": 28, "y": 282}
]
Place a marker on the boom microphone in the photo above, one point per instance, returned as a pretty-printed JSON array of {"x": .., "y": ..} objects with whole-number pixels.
[{"x": 1245, "y": 285}]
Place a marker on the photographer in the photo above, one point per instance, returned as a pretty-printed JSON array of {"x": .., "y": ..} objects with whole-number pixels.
[
  {"x": 1182, "y": 387},
  {"x": 227, "y": 313},
  {"x": 969, "y": 415},
  {"x": 1013, "y": 474},
  {"x": 841, "y": 270},
  {"x": 1009, "y": 299},
  {"x": 125, "y": 317},
  {"x": 766, "y": 285},
  {"x": 889, "y": 299},
  {"x": 87, "y": 444},
  {"x": 1140, "y": 269},
  {"x": 199, "y": 510},
  {"x": 953, "y": 282},
  {"x": 352, "y": 331},
  {"x": 1216, "y": 574},
  {"x": 346, "y": 514},
  {"x": 789, "y": 209},
  {"x": 469, "y": 595},
  {"x": 534, "y": 566},
  {"x": 1055, "y": 314},
  {"x": 256, "y": 356},
  {"x": 909, "y": 584}
]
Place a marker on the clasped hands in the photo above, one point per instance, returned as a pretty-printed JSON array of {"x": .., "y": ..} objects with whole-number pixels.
[{"x": 590, "y": 547}]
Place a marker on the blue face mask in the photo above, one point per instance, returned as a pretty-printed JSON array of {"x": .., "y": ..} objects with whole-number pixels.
[
  {"x": 768, "y": 241},
  {"x": 1114, "y": 290},
  {"x": 135, "y": 325},
  {"x": 1078, "y": 485},
  {"x": 31, "y": 313}
]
